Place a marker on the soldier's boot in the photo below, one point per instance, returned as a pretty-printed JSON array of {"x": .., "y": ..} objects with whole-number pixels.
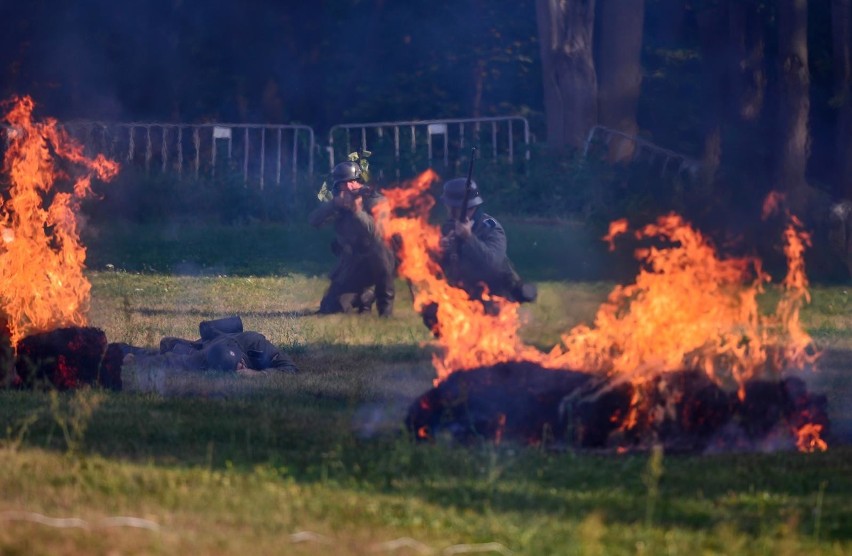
[
  {"x": 350, "y": 303},
  {"x": 366, "y": 300},
  {"x": 330, "y": 304},
  {"x": 385, "y": 308},
  {"x": 385, "y": 294}
]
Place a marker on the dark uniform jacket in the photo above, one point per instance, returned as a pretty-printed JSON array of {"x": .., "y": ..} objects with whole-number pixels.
[
  {"x": 364, "y": 260},
  {"x": 223, "y": 344},
  {"x": 480, "y": 259}
]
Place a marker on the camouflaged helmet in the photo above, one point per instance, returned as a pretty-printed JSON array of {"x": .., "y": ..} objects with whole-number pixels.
[
  {"x": 346, "y": 171},
  {"x": 453, "y": 195}
]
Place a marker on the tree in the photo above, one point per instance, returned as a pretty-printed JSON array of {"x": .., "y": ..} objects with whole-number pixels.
[
  {"x": 841, "y": 28},
  {"x": 794, "y": 99},
  {"x": 748, "y": 44},
  {"x": 566, "y": 33},
  {"x": 619, "y": 70}
]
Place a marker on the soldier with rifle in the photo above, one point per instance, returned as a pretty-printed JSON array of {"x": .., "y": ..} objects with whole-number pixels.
[
  {"x": 365, "y": 267},
  {"x": 473, "y": 250}
]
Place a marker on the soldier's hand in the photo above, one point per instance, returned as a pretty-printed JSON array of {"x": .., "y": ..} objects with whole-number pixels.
[
  {"x": 464, "y": 230},
  {"x": 344, "y": 200}
]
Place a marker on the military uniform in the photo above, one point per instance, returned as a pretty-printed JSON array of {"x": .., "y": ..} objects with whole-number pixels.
[
  {"x": 481, "y": 259},
  {"x": 224, "y": 346},
  {"x": 365, "y": 265}
]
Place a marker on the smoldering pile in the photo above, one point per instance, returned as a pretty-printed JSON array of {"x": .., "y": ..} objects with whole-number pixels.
[{"x": 682, "y": 410}]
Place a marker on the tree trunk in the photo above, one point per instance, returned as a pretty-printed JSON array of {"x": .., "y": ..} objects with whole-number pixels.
[
  {"x": 841, "y": 29},
  {"x": 715, "y": 54},
  {"x": 619, "y": 71},
  {"x": 794, "y": 99},
  {"x": 566, "y": 32},
  {"x": 748, "y": 82}
]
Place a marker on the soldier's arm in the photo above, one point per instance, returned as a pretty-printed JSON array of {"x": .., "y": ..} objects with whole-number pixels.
[
  {"x": 263, "y": 354},
  {"x": 283, "y": 363},
  {"x": 365, "y": 220},
  {"x": 488, "y": 247},
  {"x": 322, "y": 214}
]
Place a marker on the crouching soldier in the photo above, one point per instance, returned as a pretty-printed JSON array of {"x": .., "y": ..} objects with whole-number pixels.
[
  {"x": 365, "y": 266},
  {"x": 473, "y": 252}
]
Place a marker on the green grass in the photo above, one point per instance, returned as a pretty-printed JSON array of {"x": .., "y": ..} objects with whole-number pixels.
[{"x": 232, "y": 465}]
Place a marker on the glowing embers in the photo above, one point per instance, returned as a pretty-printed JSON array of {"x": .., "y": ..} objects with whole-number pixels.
[
  {"x": 42, "y": 286},
  {"x": 64, "y": 358},
  {"x": 682, "y": 410}
]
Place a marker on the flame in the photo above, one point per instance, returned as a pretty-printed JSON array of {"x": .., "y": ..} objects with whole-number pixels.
[
  {"x": 501, "y": 426},
  {"x": 690, "y": 308},
  {"x": 615, "y": 229},
  {"x": 42, "y": 286},
  {"x": 808, "y": 438},
  {"x": 687, "y": 308},
  {"x": 468, "y": 335}
]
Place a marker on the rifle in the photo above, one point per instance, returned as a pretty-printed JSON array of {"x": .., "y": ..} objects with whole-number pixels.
[{"x": 466, "y": 198}]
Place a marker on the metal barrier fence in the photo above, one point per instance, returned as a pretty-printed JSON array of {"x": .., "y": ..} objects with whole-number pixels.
[
  {"x": 263, "y": 154},
  {"x": 276, "y": 154},
  {"x": 416, "y": 144},
  {"x": 667, "y": 161}
]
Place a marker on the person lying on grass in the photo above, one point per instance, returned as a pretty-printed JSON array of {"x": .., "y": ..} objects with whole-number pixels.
[{"x": 224, "y": 346}]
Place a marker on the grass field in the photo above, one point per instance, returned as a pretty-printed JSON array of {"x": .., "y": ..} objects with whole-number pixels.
[{"x": 319, "y": 463}]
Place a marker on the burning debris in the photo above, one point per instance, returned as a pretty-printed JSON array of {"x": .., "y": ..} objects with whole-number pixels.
[
  {"x": 682, "y": 355},
  {"x": 67, "y": 358},
  {"x": 44, "y": 295},
  {"x": 684, "y": 411}
]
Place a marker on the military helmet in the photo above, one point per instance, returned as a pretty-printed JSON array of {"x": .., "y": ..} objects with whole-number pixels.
[
  {"x": 453, "y": 195},
  {"x": 346, "y": 171},
  {"x": 224, "y": 355}
]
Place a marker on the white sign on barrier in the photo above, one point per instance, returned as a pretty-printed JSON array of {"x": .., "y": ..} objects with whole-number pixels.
[
  {"x": 437, "y": 129},
  {"x": 220, "y": 132}
]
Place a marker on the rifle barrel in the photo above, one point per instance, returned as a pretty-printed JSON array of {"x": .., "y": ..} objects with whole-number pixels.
[{"x": 466, "y": 198}]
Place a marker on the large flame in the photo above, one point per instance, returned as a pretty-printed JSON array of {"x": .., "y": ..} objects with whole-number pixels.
[
  {"x": 468, "y": 335},
  {"x": 42, "y": 285},
  {"x": 688, "y": 307}
]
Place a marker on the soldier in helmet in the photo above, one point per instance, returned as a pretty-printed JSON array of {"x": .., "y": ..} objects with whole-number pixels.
[
  {"x": 473, "y": 251},
  {"x": 365, "y": 266},
  {"x": 223, "y": 346}
]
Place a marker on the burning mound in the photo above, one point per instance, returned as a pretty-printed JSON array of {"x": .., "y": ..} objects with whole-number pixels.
[
  {"x": 64, "y": 359},
  {"x": 44, "y": 295},
  {"x": 683, "y": 410},
  {"x": 688, "y": 352}
]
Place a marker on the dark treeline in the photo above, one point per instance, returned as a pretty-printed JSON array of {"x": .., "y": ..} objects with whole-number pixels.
[
  {"x": 318, "y": 63},
  {"x": 755, "y": 92},
  {"x": 704, "y": 77}
]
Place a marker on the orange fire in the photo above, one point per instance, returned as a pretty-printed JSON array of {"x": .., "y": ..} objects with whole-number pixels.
[
  {"x": 42, "y": 286},
  {"x": 687, "y": 308},
  {"x": 469, "y": 337},
  {"x": 690, "y": 308},
  {"x": 808, "y": 439}
]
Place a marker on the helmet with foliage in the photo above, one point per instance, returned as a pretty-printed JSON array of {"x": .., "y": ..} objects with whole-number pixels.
[
  {"x": 453, "y": 195},
  {"x": 346, "y": 171},
  {"x": 356, "y": 168}
]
